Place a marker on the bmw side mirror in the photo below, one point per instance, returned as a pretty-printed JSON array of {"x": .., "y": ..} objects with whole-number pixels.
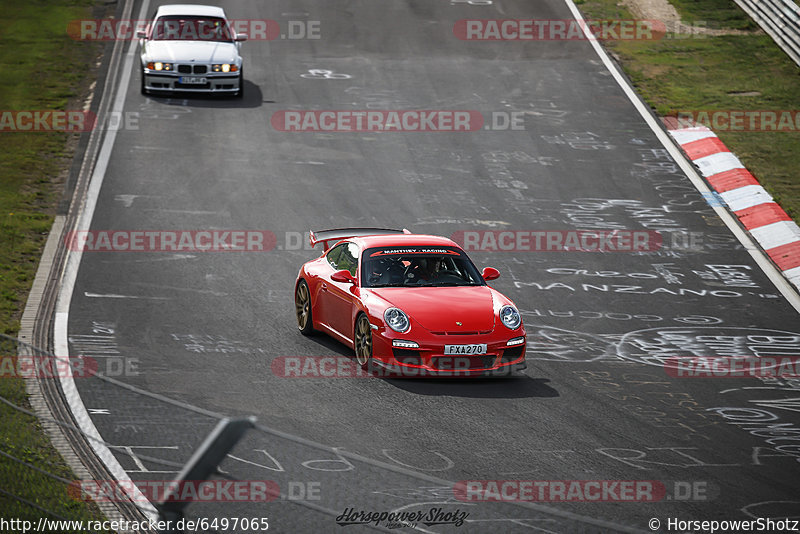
[{"x": 490, "y": 273}]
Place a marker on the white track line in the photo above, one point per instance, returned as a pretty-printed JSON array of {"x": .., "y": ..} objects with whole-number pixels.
[
  {"x": 85, "y": 219},
  {"x": 60, "y": 334},
  {"x": 758, "y": 256}
]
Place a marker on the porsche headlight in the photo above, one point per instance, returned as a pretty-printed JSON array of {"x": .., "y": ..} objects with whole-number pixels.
[
  {"x": 397, "y": 320},
  {"x": 510, "y": 317}
]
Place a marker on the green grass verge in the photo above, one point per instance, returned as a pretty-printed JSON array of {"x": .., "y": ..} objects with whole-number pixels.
[
  {"x": 714, "y": 14},
  {"x": 696, "y": 72},
  {"x": 43, "y": 69}
]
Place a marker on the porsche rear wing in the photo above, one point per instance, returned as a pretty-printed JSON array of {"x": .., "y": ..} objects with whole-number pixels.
[{"x": 328, "y": 237}]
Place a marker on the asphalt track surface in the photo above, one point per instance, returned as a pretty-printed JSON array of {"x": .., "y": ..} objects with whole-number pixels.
[{"x": 595, "y": 402}]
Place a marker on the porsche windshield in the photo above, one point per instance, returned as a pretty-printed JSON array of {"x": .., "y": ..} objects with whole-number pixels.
[
  {"x": 188, "y": 28},
  {"x": 417, "y": 266}
]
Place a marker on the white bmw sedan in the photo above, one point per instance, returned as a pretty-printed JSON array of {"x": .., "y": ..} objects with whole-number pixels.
[{"x": 191, "y": 48}]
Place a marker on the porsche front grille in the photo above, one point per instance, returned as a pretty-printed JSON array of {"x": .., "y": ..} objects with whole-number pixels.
[
  {"x": 512, "y": 354},
  {"x": 406, "y": 356},
  {"x": 461, "y": 363}
]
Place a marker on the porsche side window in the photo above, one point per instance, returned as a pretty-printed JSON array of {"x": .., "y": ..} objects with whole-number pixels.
[
  {"x": 333, "y": 256},
  {"x": 349, "y": 258}
]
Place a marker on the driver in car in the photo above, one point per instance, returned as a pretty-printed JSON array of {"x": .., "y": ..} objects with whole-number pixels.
[{"x": 423, "y": 269}]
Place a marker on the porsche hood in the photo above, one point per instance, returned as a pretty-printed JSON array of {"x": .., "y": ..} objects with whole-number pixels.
[{"x": 465, "y": 309}]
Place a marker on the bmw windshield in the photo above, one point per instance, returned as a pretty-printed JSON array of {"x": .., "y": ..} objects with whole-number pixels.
[{"x": 190, "y": 28}]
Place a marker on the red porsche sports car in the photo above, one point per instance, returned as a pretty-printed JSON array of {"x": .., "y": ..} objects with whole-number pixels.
[{"x": 408, "y": 304}]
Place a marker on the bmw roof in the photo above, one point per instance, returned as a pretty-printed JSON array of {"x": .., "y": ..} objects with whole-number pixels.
[{"x": 190, "y": 10}]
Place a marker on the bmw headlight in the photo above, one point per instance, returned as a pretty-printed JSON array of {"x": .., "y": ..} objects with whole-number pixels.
[
  {"x": 397, "y": 320},
  {"x": 224, "y": 67},
  {"x": 510, "y": 317},
  {"x": 159, "y": 65}
]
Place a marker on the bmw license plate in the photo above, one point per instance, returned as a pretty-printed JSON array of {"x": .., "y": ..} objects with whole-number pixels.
[
  {"x": 193, "y": 80},
  {"x": 476, "y": 348}
]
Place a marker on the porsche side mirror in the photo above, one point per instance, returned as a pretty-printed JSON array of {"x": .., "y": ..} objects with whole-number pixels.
[
  {"x": 490, "y": 273},
  {"x": 343, "y": 277}
]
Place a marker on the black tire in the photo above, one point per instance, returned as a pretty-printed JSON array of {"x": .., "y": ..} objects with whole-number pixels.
[
  {"x": 142, "y": 88},
  {"x": 362, "y": 342},
  {"x": 302, "y": 307}
]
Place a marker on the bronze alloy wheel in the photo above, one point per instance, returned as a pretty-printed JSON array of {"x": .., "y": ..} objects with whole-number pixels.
[
  {"x": 363, "y": 341},
  {"x": 302, "y": 306}
]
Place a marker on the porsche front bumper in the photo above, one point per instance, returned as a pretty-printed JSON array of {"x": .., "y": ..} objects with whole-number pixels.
[{"x": 429, "y": 359}]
